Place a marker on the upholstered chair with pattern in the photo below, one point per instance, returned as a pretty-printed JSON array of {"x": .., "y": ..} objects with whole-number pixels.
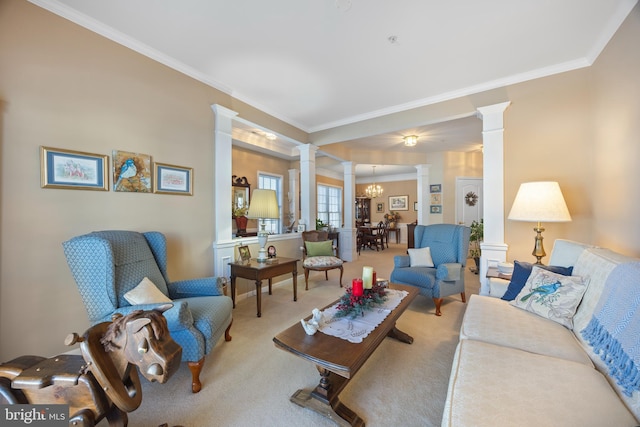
[
  {"x": 319, "y": 254},
  {"x": 436, "y": 264},
  {"x": 122, "y": 271}
]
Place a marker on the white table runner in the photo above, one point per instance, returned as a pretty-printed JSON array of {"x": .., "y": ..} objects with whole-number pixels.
[{"x": 355, "y": 330}]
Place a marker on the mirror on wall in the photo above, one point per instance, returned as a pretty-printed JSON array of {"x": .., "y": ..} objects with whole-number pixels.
[{"x": 240, "y": 192}]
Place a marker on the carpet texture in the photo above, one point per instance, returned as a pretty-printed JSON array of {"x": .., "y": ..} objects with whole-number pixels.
[{"x": 248, "y": 381}]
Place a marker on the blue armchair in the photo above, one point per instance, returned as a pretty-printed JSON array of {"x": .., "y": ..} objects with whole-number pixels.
[
  {"x": 449, "y": 246},
  {"x": 108, "y": 264}
]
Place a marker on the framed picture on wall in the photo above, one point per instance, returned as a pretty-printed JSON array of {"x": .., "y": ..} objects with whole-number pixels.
[
  {"x": 435, "y": 188},
  {"x": 415, "y": 206},
  {"x": 73, "y": 170},
  {"x": 399, "y": 203},
  {"x": 436, "y": 199},
  {"x": 171, "y": 179},
  {"x": 436, "y": 209},
  {"x": 131, "y": 172},
  {"x": 380, "y": 207}
]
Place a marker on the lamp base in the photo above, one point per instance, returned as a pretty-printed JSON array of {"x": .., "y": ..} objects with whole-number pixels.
[
  {"x": 538, "y": 249},
  {"x": 263, "y": 237}
]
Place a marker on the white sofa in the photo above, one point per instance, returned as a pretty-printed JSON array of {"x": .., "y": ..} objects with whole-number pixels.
[{"x": 515, "y": 368}]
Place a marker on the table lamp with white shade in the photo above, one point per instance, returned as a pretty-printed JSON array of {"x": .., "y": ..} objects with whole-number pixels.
[
  {"x": 539, "y": 202},
  {"x": 264, "y": 205}
]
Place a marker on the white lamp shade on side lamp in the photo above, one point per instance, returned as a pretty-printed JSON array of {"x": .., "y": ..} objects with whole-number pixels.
[
  {"x": 539, "y": 202},
  {"x": 264, "y": 205}
]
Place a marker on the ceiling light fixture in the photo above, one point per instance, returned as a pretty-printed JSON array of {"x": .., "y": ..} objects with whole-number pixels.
[
  {"x": 410, "y": 140},
  {"x": 374, "y": 190}
]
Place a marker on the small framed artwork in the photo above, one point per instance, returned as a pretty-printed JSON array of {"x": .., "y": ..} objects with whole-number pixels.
[
  {"x": 380, "y": 207},
  {"x": 172, "y": 179},
  {"x": 399, "y": 203},
  {"x": 271, "y": 251},
  {"x": 131, "y": 172},
  {"x": 245, "y": 253},
  {"x": 74, "y": 170},
  {"x": 436, "y": 198},
  {"x": 435, "y": 188},
  {"x": 301, "y": 228},
  {"x": 415, "y": 206},
  {"x": 436, "y": 209}
]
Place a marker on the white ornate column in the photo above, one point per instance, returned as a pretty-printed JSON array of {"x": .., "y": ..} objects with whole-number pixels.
[
  {"x": 494, "y": 249},
  {"x": 223, "y": 245},
  {"x": 348, "y": 249},
  {"x": 308, "y": 200},
  {"x": 292, "y": 196},
  {"x": 424, "y": 198}
]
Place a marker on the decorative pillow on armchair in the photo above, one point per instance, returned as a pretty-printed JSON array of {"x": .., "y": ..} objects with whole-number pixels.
[
  {"x": 522, "y": 271},
  {"x": 324, "y": 248},
  {"x": 551, "y": 295},
  {"x": 421, "y": 257},
  {"x": 145, "y": 293}
]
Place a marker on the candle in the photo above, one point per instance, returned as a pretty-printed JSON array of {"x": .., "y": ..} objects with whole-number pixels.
[
  {"x": 375, "y": 280},
  {"x": 367, "y": 276},
  {"x": 356, "y": 287}
]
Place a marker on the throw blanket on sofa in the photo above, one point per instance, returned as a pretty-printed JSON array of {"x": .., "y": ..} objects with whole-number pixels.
[{"x": 614, "y": 329}]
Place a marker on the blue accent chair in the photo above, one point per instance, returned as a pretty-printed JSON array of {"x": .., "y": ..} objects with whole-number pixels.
[
  {"x": 449, "y": 246},
  {"x": 108, "y": 264}
]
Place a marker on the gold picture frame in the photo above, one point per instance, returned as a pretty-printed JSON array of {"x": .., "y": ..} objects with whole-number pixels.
[
  {"x": 73, "y": 170},
  {"x": 172, "y": 179}
]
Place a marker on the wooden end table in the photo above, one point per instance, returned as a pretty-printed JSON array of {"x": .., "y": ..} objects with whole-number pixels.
[
  {"x": 338, "y": 360},
  {"x": 258, "y": 271}
]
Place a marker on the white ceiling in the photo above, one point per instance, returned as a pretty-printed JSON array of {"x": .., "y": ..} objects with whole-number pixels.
[{"x": 318, "y": 64}]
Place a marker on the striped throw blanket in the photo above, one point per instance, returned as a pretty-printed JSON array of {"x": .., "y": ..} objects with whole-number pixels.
[{"x": 614, "y": 329}]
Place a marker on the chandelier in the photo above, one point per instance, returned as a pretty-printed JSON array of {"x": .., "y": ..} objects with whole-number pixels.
[{"x": 374, "y": 190}]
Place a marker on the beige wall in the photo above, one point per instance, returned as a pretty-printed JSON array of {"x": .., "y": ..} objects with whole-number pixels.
[
  {"x": 249, "y": 163},
  {"x": 65, "y": 87},
  {"x": 581, "y": 129}
]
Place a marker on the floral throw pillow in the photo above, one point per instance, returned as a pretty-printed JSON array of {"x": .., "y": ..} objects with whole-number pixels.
[{"x": 551, "y": 295}]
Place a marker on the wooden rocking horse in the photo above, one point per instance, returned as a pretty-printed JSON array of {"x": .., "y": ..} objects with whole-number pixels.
[{"x": 104, "y": 381}]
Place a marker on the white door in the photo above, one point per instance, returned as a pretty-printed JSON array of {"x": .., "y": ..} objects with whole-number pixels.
[{"x": 469, "y": 200}]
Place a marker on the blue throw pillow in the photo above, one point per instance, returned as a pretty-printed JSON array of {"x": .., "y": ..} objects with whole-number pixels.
[{"x": 522, "y": 271}]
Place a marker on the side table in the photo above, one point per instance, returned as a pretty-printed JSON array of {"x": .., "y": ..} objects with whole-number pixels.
[
  {"x": 498, "y": 282},
  {"x": 396, "y": 231},
  {"x": 258, "y": 271}
]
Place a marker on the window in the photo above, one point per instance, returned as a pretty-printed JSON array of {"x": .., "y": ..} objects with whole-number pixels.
[
  {"x": 271, "y": 182},
  {"x": 330, "y": 205}
]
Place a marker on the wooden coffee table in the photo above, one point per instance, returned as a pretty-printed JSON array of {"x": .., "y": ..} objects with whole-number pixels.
[{"x": 338, "y": 360}]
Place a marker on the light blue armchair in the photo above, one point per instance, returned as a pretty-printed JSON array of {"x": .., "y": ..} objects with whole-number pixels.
[
  {"x": 108, "y": 264},
  {"x": 449, "y": 245}
]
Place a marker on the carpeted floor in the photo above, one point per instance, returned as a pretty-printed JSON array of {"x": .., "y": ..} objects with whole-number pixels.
[{"x": 248, "y": 381}]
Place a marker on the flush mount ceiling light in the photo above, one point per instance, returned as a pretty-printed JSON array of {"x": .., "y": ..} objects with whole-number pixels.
[
  {"x": 374, "y": 190},
  {"x": 410, "y": 140}
]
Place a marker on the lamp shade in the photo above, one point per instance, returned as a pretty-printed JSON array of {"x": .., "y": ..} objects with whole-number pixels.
[
  {"x": 263, "y": 204},
  {"x": 539, "y": 202}
]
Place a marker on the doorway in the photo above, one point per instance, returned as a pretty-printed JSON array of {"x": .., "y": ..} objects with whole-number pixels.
[{"x": 469, "y": 200}]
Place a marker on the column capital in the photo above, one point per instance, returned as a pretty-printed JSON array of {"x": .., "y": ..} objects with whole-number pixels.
[
  {"x": 492, "y": 115},
  {"x": 307, "y": 151},
  {"x": 219, "y": 110}
]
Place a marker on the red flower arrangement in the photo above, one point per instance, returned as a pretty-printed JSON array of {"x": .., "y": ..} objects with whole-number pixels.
[{"x": 353, "y": 306}]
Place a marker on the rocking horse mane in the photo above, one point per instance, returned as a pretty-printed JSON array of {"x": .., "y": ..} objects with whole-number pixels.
[{"x": 118, "y": 324}]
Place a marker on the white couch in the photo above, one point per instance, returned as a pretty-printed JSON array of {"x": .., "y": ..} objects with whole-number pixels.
[{"x": 515, "y": 368}]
